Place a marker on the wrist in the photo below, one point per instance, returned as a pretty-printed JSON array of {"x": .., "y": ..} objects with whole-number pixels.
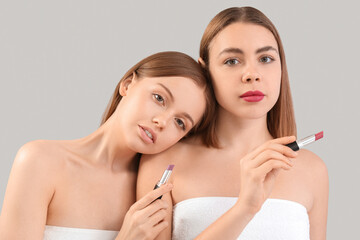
[{"x": 245, "y": 210}]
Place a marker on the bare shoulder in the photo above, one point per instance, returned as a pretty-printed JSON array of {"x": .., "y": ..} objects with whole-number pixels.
[
  {"x": 314, "y": 173},
  {"x": 151, "y": 167},
  {"x": 169, "y": 156},
  {"x": 35, "y": 171},
  {"x": 311, "y": 163},
  {"x": 176, "y": 154},
  {"x": 38, "y": 162},
  {"x": 315, "y": 176},
  {"x": 38, "y": 153},
  {"x": 30, "y": 188}
]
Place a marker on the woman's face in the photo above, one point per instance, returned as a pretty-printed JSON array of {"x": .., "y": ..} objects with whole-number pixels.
[
  {"x": 158, "y": 112},
  {"x": 245, "y": 67}
]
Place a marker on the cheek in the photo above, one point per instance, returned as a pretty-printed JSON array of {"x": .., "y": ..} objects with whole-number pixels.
[
  {"x": 221, "y": 83},
  {"x": 137, "y": 108},
  {"x": 274, "y": 87},
  {"x": 171, "y": 137}
]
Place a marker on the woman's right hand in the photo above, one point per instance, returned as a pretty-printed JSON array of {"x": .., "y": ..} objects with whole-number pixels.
[
  {"x": 145, "y": 218},
  {"x": 259, "y": 169}
]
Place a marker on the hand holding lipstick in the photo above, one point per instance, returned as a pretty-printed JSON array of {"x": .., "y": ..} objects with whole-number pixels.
[
  {"x": 258, "y": 171},
  {"x": 145, "y": 218}
]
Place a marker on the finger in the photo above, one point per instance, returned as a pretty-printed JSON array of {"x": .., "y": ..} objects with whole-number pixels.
[
  {"x": 157, "y": 229},
  {"x": 282, "y": 149},
  {"x": 275, "y": 143},
  {"x": 154, "y": 207},
  {"x": 270, "y": 165},
  {"x": 157, "y": 217},
  {"x": 268, "y": 155},
  {"x": 270, "y": 177},
  {"x": 151, "y": 196},
  {"x": 276, "y": 172}
]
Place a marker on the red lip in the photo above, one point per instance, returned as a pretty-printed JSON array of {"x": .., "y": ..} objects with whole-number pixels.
[
  {"x": 253, "y": 96},
  {"x": 145, "y": 137}
]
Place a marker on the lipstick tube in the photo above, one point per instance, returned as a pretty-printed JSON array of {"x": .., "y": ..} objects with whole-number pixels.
[
  {"x": 165, "y": 177},
  {"x": 297, "y": 145}
]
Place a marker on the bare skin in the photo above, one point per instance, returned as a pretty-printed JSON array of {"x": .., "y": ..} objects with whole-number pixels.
[
  {"x": 90, "y": 182},
  {"x": 251, "y": 165}
]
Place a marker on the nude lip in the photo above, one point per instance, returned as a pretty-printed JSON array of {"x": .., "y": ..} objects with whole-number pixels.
[
  {"x": 145, "y": 137},
  {"x": 252, "y": 96}
]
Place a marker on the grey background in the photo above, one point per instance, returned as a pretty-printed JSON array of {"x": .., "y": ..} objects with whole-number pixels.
[{"x": 61, "y": 60}]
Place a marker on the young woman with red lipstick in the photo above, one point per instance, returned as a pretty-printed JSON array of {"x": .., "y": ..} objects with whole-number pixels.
[
  {"x": 85, "y": 188},
  {"x": 248, "y": 185}
]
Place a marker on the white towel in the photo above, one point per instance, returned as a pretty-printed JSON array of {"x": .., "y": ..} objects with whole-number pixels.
[
  {"x": 277, "y": 219},
  {"x": 64, "y": 233}
]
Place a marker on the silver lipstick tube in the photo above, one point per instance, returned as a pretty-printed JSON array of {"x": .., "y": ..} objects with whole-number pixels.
[
  {"x": 165, "y": 177},
  {"x": 306, "y": 141}
]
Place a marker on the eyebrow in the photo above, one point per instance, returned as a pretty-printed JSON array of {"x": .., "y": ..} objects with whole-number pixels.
[
  {"x": 167, "y": 90},
  {"x": 188, "y": 117},
  {"x": 231, "y": 50},
  {"x": 238, "y": 50},
  {"x": 172, "y": 98},
  {"x": 265, "y": 49}
]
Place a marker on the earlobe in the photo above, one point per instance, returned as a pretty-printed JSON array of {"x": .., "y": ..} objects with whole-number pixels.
[
  {"x": 125, "y": 84},
  {"x": 201, "y": 62}
]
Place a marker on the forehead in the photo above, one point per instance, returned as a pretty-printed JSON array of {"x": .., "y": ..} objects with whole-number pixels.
[
  {"x": 176, "y": 83},
  {"x": 246, "y": 36}
]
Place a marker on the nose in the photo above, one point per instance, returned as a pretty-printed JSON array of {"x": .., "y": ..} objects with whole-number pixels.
[
  {"x": 251, "y": 75},
  {"x": 160, "y": 120}
]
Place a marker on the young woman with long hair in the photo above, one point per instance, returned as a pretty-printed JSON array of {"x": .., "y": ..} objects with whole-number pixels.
[
  {"x": 246, "y": 184},
  {"x": 85, "y": 188}
]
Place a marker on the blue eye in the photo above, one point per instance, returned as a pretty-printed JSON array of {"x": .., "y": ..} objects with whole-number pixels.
[
  {"x": 180, "y": 123},
  {"x": 266, "y": 59},
  {"x": 159, "y": 98},
  {"x": 232, "y": 61}
]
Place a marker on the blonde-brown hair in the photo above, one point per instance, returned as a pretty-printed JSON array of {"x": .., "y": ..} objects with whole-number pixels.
[
  {"x": 281, "y": 118},
  {"x": 170, "y": 64}
]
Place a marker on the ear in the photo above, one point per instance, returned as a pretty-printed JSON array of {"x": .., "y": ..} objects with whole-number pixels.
[
  {"x": 125, "y": 84},
  {"x": 202, "y": 63}
]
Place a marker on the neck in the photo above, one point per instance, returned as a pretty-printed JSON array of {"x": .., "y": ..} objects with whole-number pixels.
[
  {"x": 240, "y": 133},
  {"x": 106, "y": 147}
]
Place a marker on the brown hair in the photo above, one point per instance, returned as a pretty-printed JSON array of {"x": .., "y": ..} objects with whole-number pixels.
[
  {"x": 280, "y": 119},
  {"x": 170, "y": 64}
]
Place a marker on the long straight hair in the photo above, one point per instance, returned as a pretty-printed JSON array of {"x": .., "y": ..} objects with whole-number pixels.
[
  {"x": 281, "y": 118},
  {"x": 171, "y": 64}
]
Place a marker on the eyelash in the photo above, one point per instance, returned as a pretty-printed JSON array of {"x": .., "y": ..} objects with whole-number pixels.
[
  {"x": 227, "y": 61},
  {"x": 271, "y": 59},
  {"x": 180, "y": 123},
  {"x": 161, "y": 100},
  {"x": 231, "y": 61}
]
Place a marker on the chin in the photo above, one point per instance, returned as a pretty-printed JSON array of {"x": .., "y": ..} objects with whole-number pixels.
[
  {"x": 145, "y": 148},
  {"x": 253, "y": 114}
]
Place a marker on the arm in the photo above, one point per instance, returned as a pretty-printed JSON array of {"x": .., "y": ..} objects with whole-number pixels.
[
  {"x": 151, "y": 169},
  {"x": 320, "y": 190},
  {"x": 29, "y": 191}
]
